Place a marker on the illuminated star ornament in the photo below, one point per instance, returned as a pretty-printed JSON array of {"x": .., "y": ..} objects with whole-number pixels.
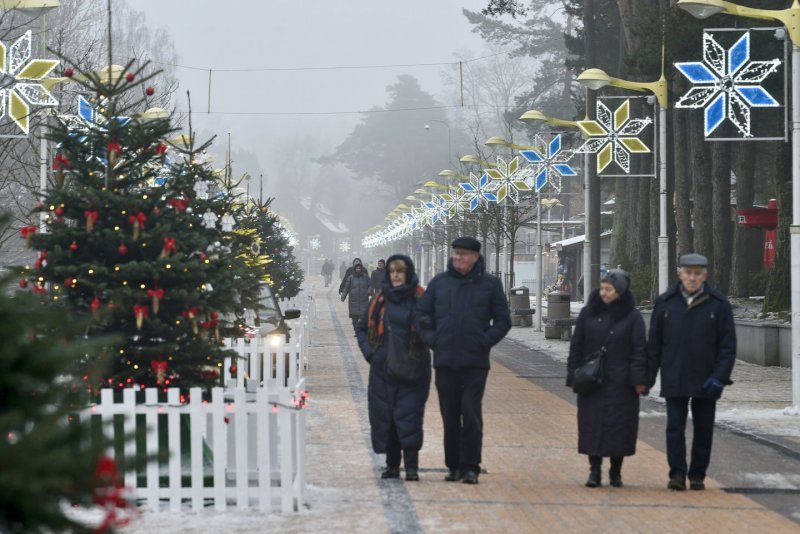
[
  {"x": 550, "y": 168},
  {"x": 727, "y": 84},
  {"x": 344, "y": 246},
  {"x": 21, "y": 81},
  {"x": 314, "y": 243},
  {"x": 479, "y": 189},
  {"x": 613, "y": 136},
  {"x": 508, "y": 182}
]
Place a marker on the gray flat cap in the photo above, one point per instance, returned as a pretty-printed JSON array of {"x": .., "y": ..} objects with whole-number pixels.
[{"x": 693, "y": 260}]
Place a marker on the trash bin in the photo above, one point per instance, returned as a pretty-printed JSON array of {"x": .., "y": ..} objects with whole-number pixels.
[
  {"x": 558, "y": 305},
  {"x": 519, "y": 301}
]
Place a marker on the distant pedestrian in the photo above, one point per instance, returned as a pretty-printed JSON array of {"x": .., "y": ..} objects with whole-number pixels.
[
  {"x": 692, "y": 342},
  {"x": 396, "y": 408},
  {"x": 608, "y": 419},
  {"x": 348, "y": 272},
  {"x": 377, "y": 277},
  {"x": 356, "y": 286},
  {"x": 461, "y": 316},
  {"x": 327, "y": 271},
  {"x": 342, "y": 270}
]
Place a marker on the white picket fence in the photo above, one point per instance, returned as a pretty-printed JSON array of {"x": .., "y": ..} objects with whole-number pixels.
[
  {"x": 238, "y": 449},
  {"x": 245, "y": 448}
]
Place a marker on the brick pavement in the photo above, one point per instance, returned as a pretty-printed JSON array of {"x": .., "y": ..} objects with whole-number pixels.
[{"x": 534, "y": 476}]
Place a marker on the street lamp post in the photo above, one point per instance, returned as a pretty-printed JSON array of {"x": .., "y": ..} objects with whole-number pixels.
[
  {"x": 790, "y": 18},
  {"x": 449, "y": 138},
  {"x": 595, "y": 79},
  {"x": 588, "y": 228}
]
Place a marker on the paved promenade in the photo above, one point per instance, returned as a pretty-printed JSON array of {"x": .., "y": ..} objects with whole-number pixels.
[{"x": 533, "y": 479}]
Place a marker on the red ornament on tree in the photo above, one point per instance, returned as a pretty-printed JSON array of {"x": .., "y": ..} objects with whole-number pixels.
[
  {"x": 95, "y": 307},
  {"x": 122, "y": 249},
  {"x": 23, "y": 283},
  {"x": 68, "y": 72},
  {"x": 130, "y": 76},
  {"x": 149, "y": 91},
  {"x": 69, "y": 281},
  {"x": 233, "y": 369},
  {"x": 73, "y": 246}
]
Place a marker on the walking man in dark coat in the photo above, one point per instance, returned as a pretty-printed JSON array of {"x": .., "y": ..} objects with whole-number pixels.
[
  {"x": 461, "y": 316},
  {"x": 376, "y": 278},
  {"x": 692, "y": 342}
]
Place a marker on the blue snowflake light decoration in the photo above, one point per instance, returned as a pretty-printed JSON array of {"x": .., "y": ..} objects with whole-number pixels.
[
  {"x": 552, "y": 167},
  {"x": 727, "y": 84},
  {"x": 479, "y": 189}
]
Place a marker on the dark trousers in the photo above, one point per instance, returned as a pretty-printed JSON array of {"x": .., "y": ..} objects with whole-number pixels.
[
  {"x": 703, "y": 412},
  {"x": 460, "y": 399},
  {"x": 394, "y": 453}
]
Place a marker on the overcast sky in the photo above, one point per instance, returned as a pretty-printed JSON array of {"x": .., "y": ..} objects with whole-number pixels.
[{"x": 255, "y": 107}]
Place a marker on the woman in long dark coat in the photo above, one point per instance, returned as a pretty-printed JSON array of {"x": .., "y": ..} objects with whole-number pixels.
[
  {"x": 396, "y": 409},
  {"x": 608, "y": 419}
]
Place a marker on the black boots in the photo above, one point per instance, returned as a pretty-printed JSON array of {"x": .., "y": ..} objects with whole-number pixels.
[
  {"x": 615, "y": 473},
  {"x": 595, "y": 464},
  {"x": 390, "y": 472},
  {"x": 411, "y": 460}
]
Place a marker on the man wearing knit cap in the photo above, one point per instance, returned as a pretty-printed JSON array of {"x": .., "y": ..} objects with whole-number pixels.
[
  {"x": 461, "y": 316},
  {"x": 692, "y": 341}
]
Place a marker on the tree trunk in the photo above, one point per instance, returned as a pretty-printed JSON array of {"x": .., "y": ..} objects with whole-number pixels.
[
  {"x": 721, "y": 210},
  {"x": 778, "y": 296},
  {"x": 622, "y": 235},
  {"x": 744, "y": 239},
  {"x": 702, "y": 212},
  {"x": 683, "y": 183}
]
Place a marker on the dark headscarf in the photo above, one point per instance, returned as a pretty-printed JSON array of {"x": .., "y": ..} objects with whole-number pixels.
[{"x": 406, "y": 289}]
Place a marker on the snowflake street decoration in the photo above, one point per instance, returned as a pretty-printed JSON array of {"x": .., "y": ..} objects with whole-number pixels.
[
  {"x": 344, "y": 246},
  {"x": 613, "y": 136},
  {"x": 552, "y": 167},
  {"x": 21, "y": 81},
  {"x": 439, "y": 209},
  {"x": 727, "y": 84},
  {"x": 506, "y": 176},
  {"x": 457, "y": 201},
  {"x": 314, "y": 243},
  {"x": 479, "y": 189},
  {"x": 88, "y": 118}
]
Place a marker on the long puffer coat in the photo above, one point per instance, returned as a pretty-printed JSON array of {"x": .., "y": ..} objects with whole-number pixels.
[
  {"x": 608, "y": 419},
  {"x": 356, "y": 287},
  {"x": 389, "y": 400}
]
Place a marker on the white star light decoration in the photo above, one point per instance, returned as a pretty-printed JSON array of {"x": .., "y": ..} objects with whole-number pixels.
[
  {"x": 314, "y": 243},
  {"x": 344, "y": 246},
  {"x": 507, "y": 179},
  {"x": 552, "y": 167},
  {"x": 727, "y": 84},
  {"x": 21, "y": 81},
  {"x": 613, "y": 136}
]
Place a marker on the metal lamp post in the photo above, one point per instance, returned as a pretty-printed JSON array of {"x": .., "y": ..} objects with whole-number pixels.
[
  {"x": 589, "y": 231},
  {"x": 789, "y": 17},
  {"x": 449, "y": 137},
  {"x": 595, "y": 79}
]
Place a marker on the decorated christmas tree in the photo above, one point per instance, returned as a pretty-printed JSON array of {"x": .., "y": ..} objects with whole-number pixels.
[
  {"x": 46, "y": 462},
  {"x": 137, "y": 244}
]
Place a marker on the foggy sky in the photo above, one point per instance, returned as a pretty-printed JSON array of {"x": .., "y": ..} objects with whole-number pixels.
[{"x": 242, "y": 34}]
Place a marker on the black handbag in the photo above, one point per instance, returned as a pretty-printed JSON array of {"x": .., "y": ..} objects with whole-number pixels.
[
  {"x": 406, "y": 360},
  {"x": 588, "y": 376}
]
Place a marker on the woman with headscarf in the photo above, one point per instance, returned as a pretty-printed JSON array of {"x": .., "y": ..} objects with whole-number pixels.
[
  {"x": 396, "y": 408},
  {"x": 608, "y": 418}
]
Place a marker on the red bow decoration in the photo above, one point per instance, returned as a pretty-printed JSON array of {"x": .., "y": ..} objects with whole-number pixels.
[
  {"x": 191, "y": 314},
  {"x": 95, "y": 306},
  {"x": 211, "y": 323},
  {"x": 140, "y": 312},
  {"x": 137, "y": 221},
  {"x": 179, "y": 203},
  {"x": 114, "y": 150},
  {"x": 60, "y": 162},
  {"x": 27, "y": 232},
  {"x": 41, "y": 261},
  {"x": 160, "y": 367},
  {"x": 169, "y": 247},
  {"x": 156, "y": 295},
  {"x": 39, "y": 287},
  {"x": 108, "y": 494},
  {"x": 161, "y": 152},
  {"x": 91, "y": 218}
]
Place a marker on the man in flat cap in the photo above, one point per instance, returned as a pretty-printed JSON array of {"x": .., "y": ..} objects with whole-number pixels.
[
  {"x": 461, "y": 316},
  {"x": 692, "y": 341}
]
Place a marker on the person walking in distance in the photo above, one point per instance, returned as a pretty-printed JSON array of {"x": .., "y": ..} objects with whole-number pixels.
[
  {"x": 376, "y": 278},
  {"x": 608, "y": 419},
  {"x": 692, "y": 343},
  {"x": 396, "y": 407},
  {"x": 461, "y": 316},
  {"x": 348, "y": 272},
  {"x": 356, "y": 286}
]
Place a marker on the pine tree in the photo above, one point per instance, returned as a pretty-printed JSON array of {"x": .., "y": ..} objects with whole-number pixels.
[
  {"x": 135, "y": 246},
  {"x": 46, "y": 461}
]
